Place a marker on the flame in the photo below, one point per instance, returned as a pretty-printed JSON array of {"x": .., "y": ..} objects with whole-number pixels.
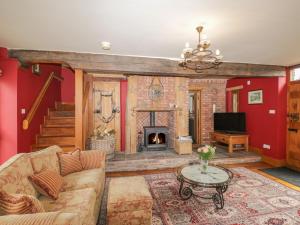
[{"x": 156, "y": 139}]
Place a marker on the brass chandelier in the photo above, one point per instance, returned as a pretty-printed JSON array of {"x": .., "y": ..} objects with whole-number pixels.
[{"x": 200, "y": 58}]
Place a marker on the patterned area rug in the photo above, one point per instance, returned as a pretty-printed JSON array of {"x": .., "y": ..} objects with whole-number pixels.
[{"x": 251, "y": 199}]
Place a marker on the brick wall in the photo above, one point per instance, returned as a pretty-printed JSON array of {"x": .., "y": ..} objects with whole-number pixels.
[
  {"x": 213, "y": 92},
  {"x": 161, "y": 118}
]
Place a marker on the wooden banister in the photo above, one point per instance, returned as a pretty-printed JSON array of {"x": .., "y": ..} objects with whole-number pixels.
[{"x": 38, "y": 100}]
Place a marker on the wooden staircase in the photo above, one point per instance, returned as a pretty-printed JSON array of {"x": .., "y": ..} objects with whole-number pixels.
[{"x": 58, "y": 128}]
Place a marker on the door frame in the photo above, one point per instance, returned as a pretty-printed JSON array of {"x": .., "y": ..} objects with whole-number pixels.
[{"x": 198, "y": 90}]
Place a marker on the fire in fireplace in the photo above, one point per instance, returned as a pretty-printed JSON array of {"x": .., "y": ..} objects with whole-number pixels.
[{"x": 155, "y": 137}]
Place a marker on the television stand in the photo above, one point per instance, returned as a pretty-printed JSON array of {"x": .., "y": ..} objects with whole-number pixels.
[{"x": 234, "y": 141}]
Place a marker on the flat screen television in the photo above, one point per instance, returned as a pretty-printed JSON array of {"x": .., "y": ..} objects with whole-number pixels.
[{"x": 230, "y": 122}]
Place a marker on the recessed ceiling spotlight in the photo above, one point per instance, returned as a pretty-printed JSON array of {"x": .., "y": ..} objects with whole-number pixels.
[{"x": 105, "y": 45}]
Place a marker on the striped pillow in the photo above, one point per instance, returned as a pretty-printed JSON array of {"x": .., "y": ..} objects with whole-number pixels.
[
  {"x": 69, "y": 162},
  {"x": 48, "y": 183},
  {"x": 92, "y": 159},
  {"x": 19, "y": 204}
]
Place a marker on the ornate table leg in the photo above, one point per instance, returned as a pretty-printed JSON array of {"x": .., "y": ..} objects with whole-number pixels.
[
  {"x": 218, "y": 197},
  {"x": 184, "y": 192}
]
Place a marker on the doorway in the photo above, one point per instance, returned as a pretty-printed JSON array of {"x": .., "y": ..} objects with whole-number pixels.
[
  {"x": 194, "y": 116},
  {"x": 235, "y": 100}
]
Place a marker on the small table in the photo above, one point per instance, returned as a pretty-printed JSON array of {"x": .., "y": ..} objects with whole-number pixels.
[
  {"x": 234, "y": 141},
  {"x": 190, "y": 176}
]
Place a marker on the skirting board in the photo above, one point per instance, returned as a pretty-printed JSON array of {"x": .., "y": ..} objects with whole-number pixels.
[{"x": 267, "y": 159}]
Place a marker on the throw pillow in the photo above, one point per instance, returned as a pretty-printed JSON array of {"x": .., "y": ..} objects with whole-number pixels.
[
  {"x": 92, "y": 159},
  {"x": 48, "y": 183},
  {"x": 19, "y": 204},
  {"x": 69, "y": 162}
]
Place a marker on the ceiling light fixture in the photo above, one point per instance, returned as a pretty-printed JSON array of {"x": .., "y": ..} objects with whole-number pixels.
[
  {"x": 200, "y": 58},
  {"x": 105, "y": 45}
]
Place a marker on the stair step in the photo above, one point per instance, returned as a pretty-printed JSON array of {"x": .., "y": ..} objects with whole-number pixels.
[
  {"x": 59, "y": 125},
  {"x": 65, "y": 106},
  {"x": 61, "y": 113},
  {"x": 65, "y": 148},
  {"x": 58, "y": 131},
  {"x": 64, "y": 118},
  {"x": 60, "y": 120},
  {"x": 55, "y": 140}
]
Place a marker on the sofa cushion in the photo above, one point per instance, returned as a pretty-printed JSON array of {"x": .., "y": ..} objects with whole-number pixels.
[
  {"x": 48, "y": 183},
  {"x": 14, "y": 175},
  {"x": 69, "y": 162},
  {"x": 85, "y": 179},
  {"x": 81, "y": 202},
  {"x": 128, "y": 194},
  {"x": 19, "y": 204},
  {"x": 92, "y": 159},
  {"x": 45, "y": 159},
  {"x": 36, "y": 219}
]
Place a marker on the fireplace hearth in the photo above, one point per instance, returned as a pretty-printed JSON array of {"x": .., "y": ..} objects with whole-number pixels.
[{"x": 156, "y": 138}]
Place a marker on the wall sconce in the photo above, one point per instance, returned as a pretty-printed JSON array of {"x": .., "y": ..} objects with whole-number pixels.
[
  {"x": 36, "y": 69},
  {"x": 1, "y": 72}
]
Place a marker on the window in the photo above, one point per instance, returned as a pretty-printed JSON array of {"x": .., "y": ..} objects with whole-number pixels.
[{"x": 295, "y": 74}]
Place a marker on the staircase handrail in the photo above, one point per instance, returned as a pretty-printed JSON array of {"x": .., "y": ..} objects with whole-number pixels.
[{"x": 38, "y": 100}]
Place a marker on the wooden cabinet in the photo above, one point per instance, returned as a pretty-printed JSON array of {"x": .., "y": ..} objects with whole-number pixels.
[{"x": 234, "y": 141}]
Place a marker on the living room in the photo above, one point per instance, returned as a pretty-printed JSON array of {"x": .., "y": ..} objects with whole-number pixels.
[{"x": 111, "y": 115}]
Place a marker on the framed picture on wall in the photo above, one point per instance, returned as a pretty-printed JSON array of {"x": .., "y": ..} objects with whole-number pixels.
[{"x": 255, "y": 97}]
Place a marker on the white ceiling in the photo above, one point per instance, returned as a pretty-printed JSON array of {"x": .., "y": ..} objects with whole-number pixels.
[{"x": 252, "y": 31}]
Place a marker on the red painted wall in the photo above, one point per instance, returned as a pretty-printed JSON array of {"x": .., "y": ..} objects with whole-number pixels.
[
  {"x": 8, "y": 106},
  {"x": 29, "y": 86},
  {"x": 264, "y": 128},
  {"x": 123, "y": 96},
  {"x": 18, "y": 89},
  {"x": 68, "y": 85}
]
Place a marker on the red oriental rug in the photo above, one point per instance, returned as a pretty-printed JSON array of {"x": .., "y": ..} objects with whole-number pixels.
[{"x": 251, "y": 199}]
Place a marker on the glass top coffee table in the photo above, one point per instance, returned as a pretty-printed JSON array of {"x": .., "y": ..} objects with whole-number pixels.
[{"x": 190, "y": 177}]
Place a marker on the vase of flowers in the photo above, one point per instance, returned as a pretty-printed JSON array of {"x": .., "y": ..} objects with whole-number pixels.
[{"x": 206, "y": 153}]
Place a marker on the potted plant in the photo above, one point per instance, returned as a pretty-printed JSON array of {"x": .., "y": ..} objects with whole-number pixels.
[{"x": 206, "y": 153}]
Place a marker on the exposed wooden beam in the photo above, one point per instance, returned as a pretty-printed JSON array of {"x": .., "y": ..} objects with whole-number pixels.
[{"x": 132, "y": 65}]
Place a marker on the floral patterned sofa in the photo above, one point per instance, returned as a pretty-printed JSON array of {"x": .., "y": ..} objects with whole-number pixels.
[{"x": 78, "y": 203}]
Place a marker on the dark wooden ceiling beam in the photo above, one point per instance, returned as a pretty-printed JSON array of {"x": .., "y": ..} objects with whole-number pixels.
[{"x": 132, "y": 65}]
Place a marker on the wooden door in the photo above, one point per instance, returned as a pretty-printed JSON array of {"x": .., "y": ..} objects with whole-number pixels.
[
  {"x": 293, "y": 123},
  {"x": 194, "y": 116},
  {"x": 106, "y": 106}
]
